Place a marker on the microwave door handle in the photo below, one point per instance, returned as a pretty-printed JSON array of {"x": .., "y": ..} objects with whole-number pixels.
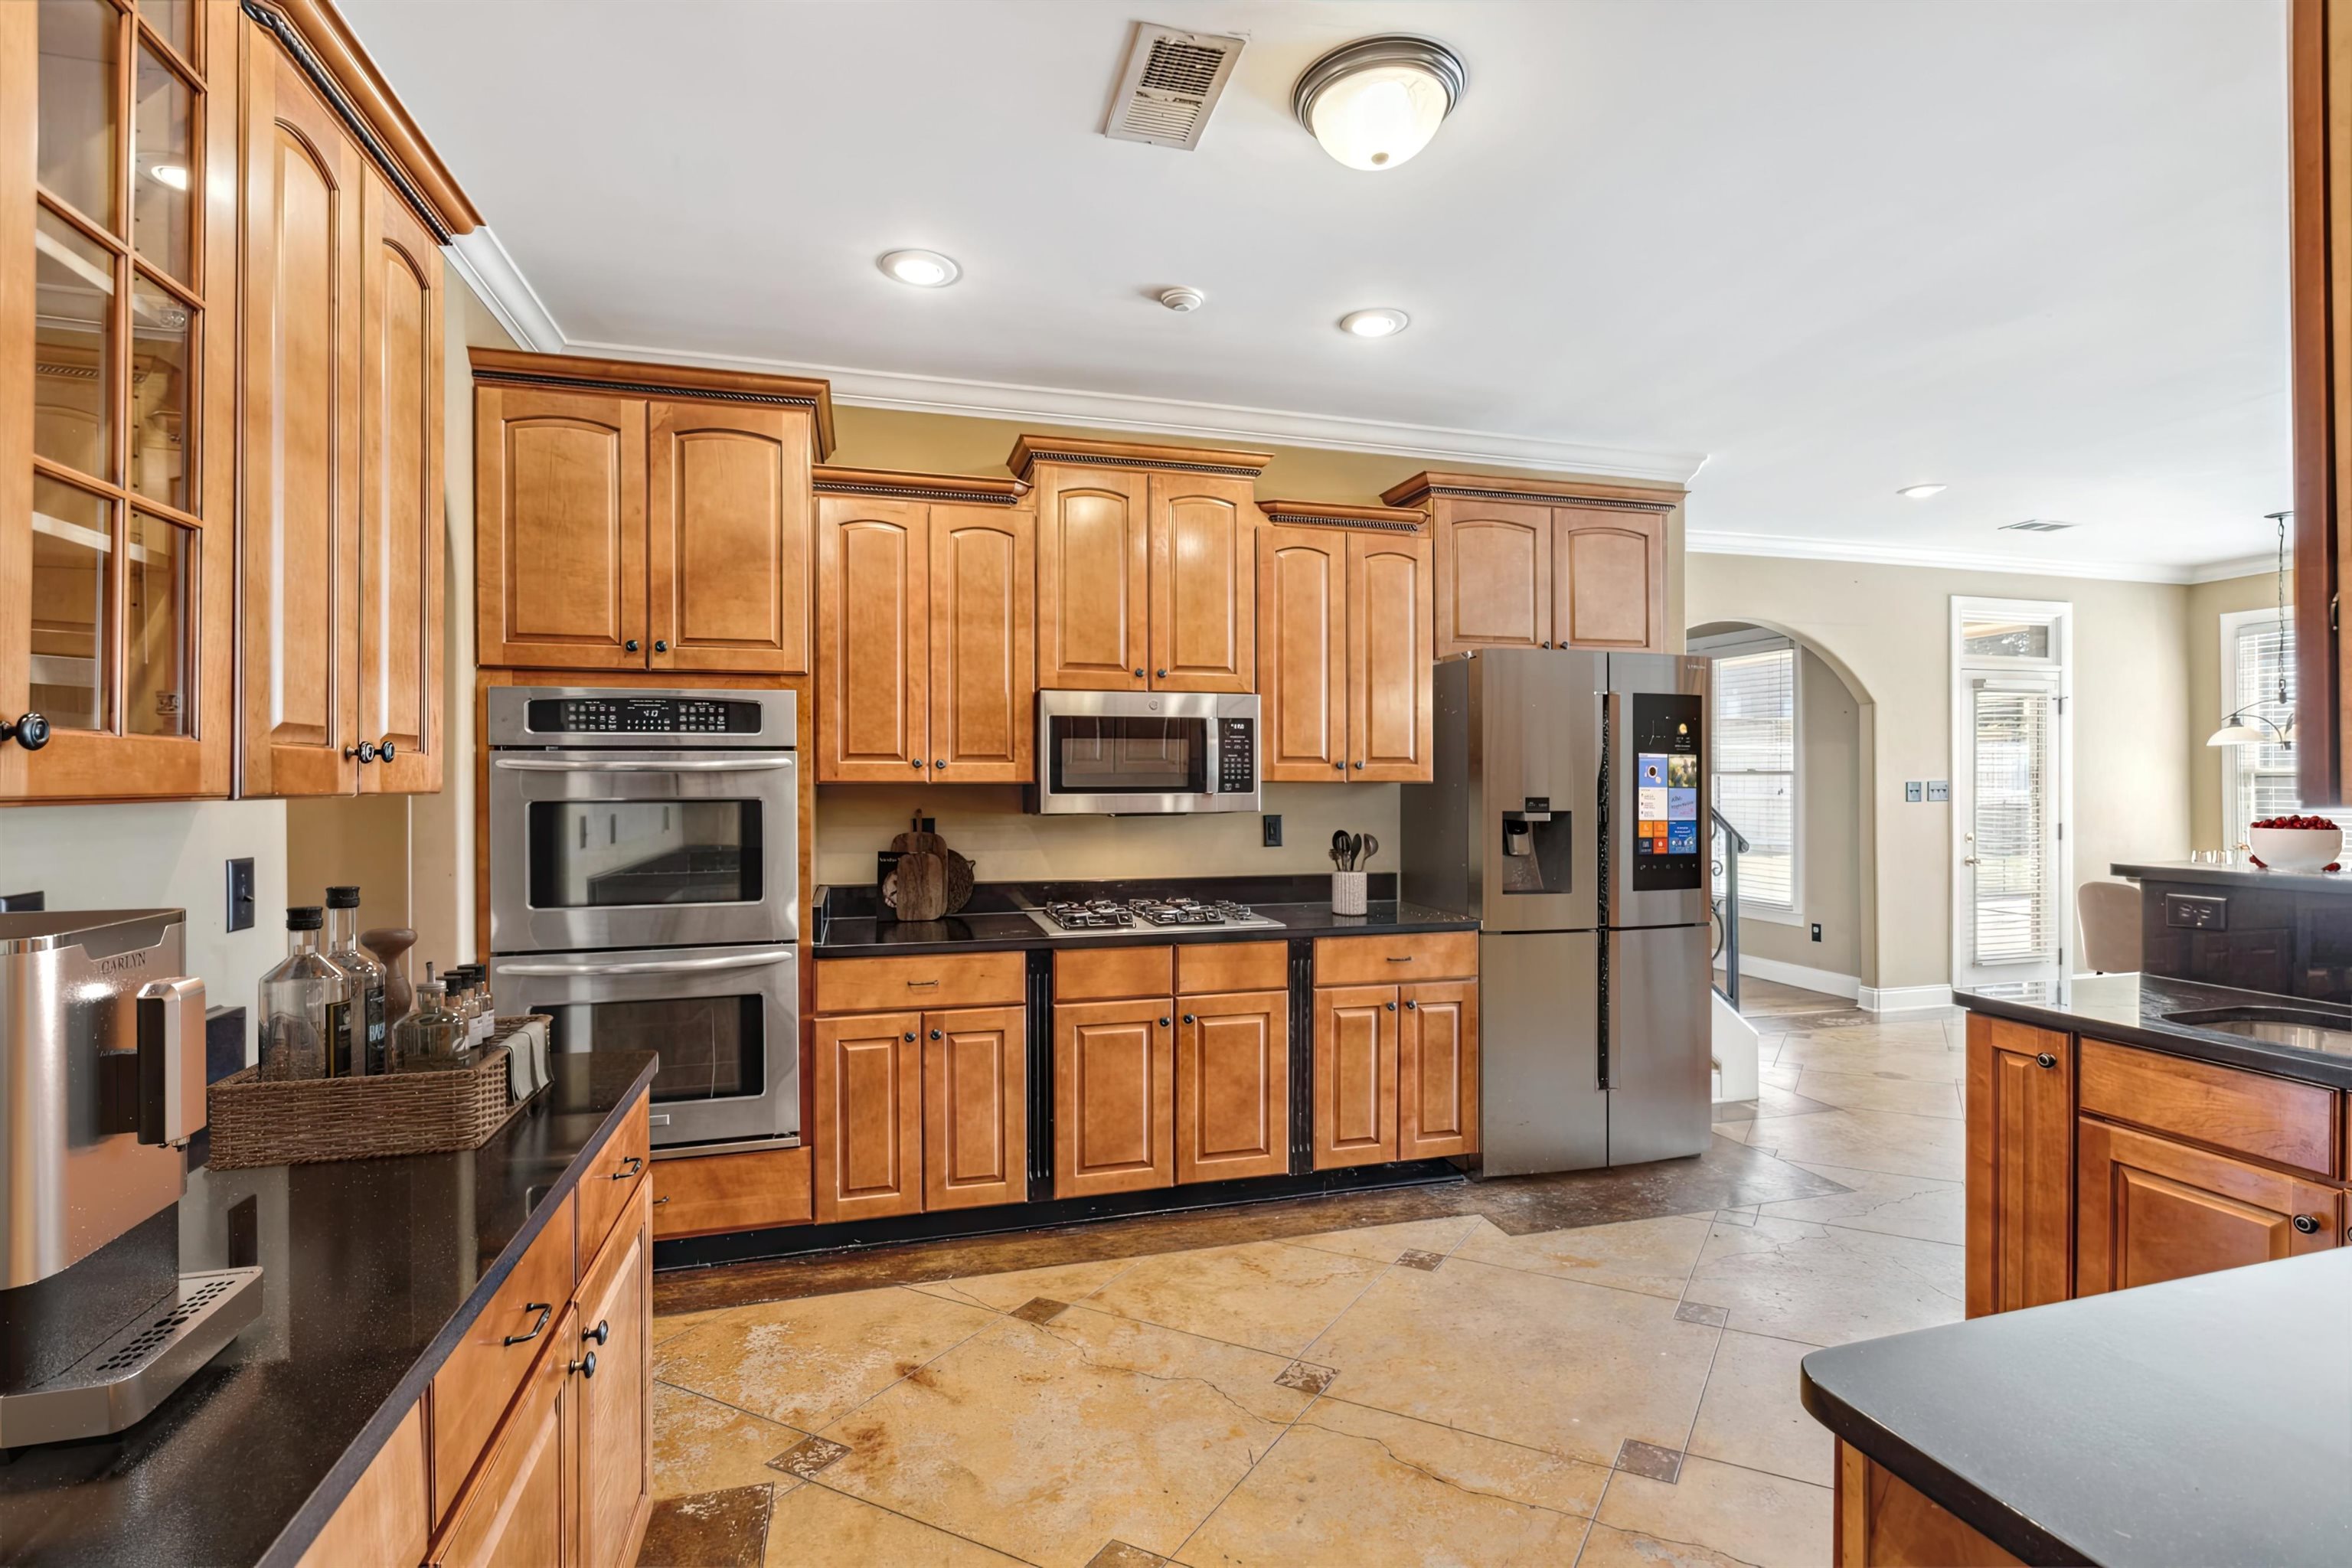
[
  {"x": 696, "y": 765},
  {"x": 659, "y": 967}
]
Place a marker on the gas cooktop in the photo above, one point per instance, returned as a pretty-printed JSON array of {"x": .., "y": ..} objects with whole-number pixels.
[{"x": 1112, "y": 917}]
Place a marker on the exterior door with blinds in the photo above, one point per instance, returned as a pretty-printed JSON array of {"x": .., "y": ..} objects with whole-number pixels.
[{"x": 2012, "y": 890}]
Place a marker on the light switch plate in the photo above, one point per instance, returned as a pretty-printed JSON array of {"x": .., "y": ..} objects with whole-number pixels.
[
  {"x": 1939, "y": 790},
  {"x": 1913, "y": 791},
  {"x": 240, "y": 894},
  {"x": 1271, "y": 822}
]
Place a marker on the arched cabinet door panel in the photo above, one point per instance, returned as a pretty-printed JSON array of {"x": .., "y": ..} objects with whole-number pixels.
[
  {"x": 873, "y": 668},
  {"x": 1494, "y": 577},
  {"x": 1203, "y": 572},
  {"x": 1609, "y": 587},
  {"x": 1303, "y": 674},
  {"x": 1093, "y": 579},
  {"x": 560, "y": 528},
  {"x": 728, "y": 537},
  {"x": 983, "y": 711}
]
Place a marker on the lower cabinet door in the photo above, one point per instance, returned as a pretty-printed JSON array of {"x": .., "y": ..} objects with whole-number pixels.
[
  {"x": 2152, "y": 1209},
  {"x": 614, "y": 1326},
  {"x": 975, "y": 1106},
  {"x": 523, "y": 1504},
  {"x": 1233, "y": 1085},
  {"x": 1355, "y": 1074},
  {"x": 2020, "y": 1166},
  {"x": 1114, "y": 1097},
  {"x": 868, "y": 1076},
  {"x": 1438, "y": 1070}
]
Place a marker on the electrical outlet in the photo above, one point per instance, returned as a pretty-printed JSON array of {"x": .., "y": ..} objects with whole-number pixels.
[
  {"x": 23, "y": 903},
  {"x": 1913, "y": 791},
  {"x": 1272, "y": 823},
  {"x": 1939, "y": 790},
  {"x": 1817, "y": 931},
  {"x": 240, "y": 894}
]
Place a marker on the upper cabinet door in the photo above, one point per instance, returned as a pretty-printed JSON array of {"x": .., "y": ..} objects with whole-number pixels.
[
  {"x": 301, "y": 470},
  {"x": 1494, "y": 577},
  {"x": 560, "y": 528},
  {"x": 1302, "y": 616},
  {"x": 982, "y": 657},
  {"x": 728, "y": 533},
  {"x": 1608, "y": 582},
  {"x": 872, "y": 667},
  {"x": 1093, "y": 555},
  {"x": 400, "y": 501},
  {"x": 1388, "y": 615},
  {"x": 1204, "y": 577}
]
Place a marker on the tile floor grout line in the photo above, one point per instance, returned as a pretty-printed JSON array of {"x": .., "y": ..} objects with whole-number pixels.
[
  {"x": 1566, "y": 1279},
  {"x": 994, "y": 1318},
  {"x": 730, "y": 1405},
  {"x": 818, "y": 1481},
  {"x": 1243, "y": 1479}
]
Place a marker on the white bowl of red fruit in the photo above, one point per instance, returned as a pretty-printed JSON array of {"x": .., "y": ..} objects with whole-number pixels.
[{"x": 2295, "y": 843}]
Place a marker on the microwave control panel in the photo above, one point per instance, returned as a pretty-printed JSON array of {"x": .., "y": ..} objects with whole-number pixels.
[
  {"x": 643, "y": 716},
  {"x": 1236, "y": 756}
]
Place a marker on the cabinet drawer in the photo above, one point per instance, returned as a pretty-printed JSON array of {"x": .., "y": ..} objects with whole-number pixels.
[
  {"x": 610, "y": 1182},
  {"x": 1204, "y": 967},
  {"x": 524, "y": 1506},
  {"x": 1109, "y": 974},
  {"x": 948, "y": 980},
  {"x": 732, "y": 1191},
  {"x": 478, "y": 1381},
  {"x": 1395, "y": 959},
  {"x": 2245, "y": 1112}
]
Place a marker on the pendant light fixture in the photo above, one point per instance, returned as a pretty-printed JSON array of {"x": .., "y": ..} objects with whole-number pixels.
[
  {"x": 2245, "y": 726},
  {"x": 1376, "y": 102}
]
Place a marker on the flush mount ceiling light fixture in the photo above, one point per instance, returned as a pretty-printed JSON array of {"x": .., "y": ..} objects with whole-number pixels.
[
  {"x": 1376, "y": 102},
  {"x": 1380, "y": 323},
  {"x": 920, "y": 268},
  {"x": 1920, "y": 492}
]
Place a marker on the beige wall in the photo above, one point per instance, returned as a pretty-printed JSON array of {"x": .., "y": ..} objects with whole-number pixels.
[
  {"x": 1889, "y": 628},
  {"x": 2208, "y": 603}
]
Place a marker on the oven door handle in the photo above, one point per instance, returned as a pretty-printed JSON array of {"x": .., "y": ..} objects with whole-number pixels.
[
  {"x": 696, "y": 765},
  {"x": 656, "y": 966}
]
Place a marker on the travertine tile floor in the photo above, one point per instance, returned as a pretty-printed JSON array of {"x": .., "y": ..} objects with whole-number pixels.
[{"x": 1434, "y": 1390}]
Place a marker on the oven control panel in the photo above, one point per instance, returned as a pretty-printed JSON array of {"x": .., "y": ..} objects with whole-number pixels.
[
  {"x": 612, "y": 715},
  {"x": 1236, "y": 756}
]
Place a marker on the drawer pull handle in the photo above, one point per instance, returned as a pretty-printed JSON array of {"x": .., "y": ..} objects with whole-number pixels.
[
  {"x": 545, "y": 1309},
  {"x": 661, "y": 1200},
  {"x": 921, "y": 982},
  {"x": 2045, "y": 1060},
  {"x": 2306, "y": 1224},
  {"x": 1406, "y": 959},
  {"x": 585, "y": 1366},
  {"x": 629, "y": 1167},
  {"x": 601, "y": 1334}
]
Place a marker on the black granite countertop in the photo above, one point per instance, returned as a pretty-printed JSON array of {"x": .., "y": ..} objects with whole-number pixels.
[
  {"x": 2130, "y": 1009},
  {"x": 372, "y": 1271},
  {"x": 2203, "y": 1422},
  {"x": 2237, "y": 877},
  {"x": 995, "y": 920}
]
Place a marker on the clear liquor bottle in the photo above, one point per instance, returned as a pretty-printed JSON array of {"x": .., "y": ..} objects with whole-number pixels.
[
  {"x": 432, "y": 1036},
  {"x": 369, "y": 1044},
  {"x": 304, "y": 1005}
]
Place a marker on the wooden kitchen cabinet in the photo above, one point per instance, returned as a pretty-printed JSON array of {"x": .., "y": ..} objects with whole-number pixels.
[
  {"x": 2320, "y": 250},
  {"x": 1233, "y": 1085},
  {"x": 2152, "y": 1209},
  {"x": 521, "y": 1505},
  {"x": 1355, "y": 1119},
  {"x": 975, "y": 1108},
  {"x": 1438, "y": 1070},
  {"x": 2020, "y": 1166},
  {"x": 926, "y": 629},
  {"x": 1345, "y": 624},
  {"x": 1114, "y": 1096},
  {"x": 632, "y": 516},
  {"x": 613, "y": 1322},
  {"x": 1147, "y": 560},
  {"x": 868, "y": 1132},
  {"x": 709, "y": 1195},
  {"x": 1546, "y": 562}
]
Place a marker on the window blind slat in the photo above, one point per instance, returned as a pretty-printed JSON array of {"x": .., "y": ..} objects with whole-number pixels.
[
  {"x": 1753, "y": 737},
  {"x": 2013, "y": 915},
  {"x": 2262, "y": 778}
]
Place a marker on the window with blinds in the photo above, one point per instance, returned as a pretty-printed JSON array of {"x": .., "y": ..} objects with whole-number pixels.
[
  {"x": 2261, "y": 778},
  {"x": 1754, "y": 739},
  {"x": 2015, "y": 846}
]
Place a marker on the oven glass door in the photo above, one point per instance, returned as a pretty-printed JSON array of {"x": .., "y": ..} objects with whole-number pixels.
[
  {"x": 612, "y": 848},
  {"x": 723, "y": 1024},
  {"x": 1128, "y": 755}
]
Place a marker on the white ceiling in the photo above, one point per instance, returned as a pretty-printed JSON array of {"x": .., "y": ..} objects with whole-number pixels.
[{"x": 2037, "y": 252}]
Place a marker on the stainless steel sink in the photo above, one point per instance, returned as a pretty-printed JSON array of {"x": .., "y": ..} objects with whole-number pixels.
[{"x": 2304, "y": 1028}]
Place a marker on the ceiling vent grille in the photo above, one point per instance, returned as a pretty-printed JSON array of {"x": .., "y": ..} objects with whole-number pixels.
[
  {"x": 1168, "y": 85},
  {"x": 2036, "y": 525}
]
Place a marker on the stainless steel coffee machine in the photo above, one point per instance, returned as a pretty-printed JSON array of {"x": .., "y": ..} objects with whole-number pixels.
[{"x": 101, "y": 1085}]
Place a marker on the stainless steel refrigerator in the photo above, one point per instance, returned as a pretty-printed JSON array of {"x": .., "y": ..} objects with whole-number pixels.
[{"x": 1566, "y": 812}]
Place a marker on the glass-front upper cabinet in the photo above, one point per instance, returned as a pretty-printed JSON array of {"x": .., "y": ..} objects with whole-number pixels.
[{"x": 116, "y": 560}]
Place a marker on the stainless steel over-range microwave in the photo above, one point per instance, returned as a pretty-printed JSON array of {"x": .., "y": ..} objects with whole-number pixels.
[{"x": 1136, "y": 753}]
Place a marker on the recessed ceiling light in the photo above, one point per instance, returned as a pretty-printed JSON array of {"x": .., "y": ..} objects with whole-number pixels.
[
  {"x": 1380, "y": 323},
  {"x": 922, "y": 269},
  {"x": 1919, "y": 493},
  {"x": 173, "y": 175},
  {"x": 1376, "y": 102}
]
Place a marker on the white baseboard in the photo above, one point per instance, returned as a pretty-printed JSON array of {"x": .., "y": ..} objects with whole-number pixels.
[
  {"x": 1823, "y": 979},
  {"x": 1903, "y": 998}
]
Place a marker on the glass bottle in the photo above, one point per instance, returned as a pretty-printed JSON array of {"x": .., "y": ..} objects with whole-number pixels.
[
  {"x": 432, "y": 1038},
  {"x": 304, "y": 1002},
  {"x": 488, "y": 1024},
  {"x": 365, "y": 976}
]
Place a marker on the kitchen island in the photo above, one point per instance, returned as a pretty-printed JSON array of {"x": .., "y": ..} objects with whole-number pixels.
[{"x": 2200, "y": 1424}]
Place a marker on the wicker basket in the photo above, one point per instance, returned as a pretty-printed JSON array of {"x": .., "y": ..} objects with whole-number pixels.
[{"x": 308, "y": 1120}]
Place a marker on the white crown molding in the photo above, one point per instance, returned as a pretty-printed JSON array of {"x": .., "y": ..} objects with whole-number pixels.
[
  {"x": 1174, "y": 417},
  {"x": 2244, "y": 567},
  {"x": 485, "y": 264},
  {"x": 1865, "y": 552}
]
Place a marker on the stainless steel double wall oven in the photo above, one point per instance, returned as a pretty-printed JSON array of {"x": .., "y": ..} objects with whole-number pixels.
[{"x": 644, "y": 877}]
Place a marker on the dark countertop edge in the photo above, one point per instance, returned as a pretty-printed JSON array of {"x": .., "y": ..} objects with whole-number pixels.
[
  {"x": 1154, "y": 936},
  {"x": 303, "y": 1529},
  {"x": 2332, "y": 883},
  {"x": 1963, "y": 1499},
  {"x": 2181, "y": 1040}
]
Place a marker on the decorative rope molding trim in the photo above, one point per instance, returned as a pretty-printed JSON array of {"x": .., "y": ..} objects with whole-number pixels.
[
  {"x": 644, "y": 389},
  {"x": 284, "y": 31},
  {"x": 1095, "y": 459},
  {"x": 914, "y": 492},
  {"x": 1370, "y": 525},
  {"x": 1546, "y": 498}
]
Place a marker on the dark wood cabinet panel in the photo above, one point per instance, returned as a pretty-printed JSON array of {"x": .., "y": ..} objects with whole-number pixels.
[
  {"x": 1233, "y": 1085},
  {"x": 2020, "y": 1171},
  {"x": 728, "y": 517},
  {"x": 560, "y": 528},
  {"x": 1355, "y": 1115},
  {"x": 1438, "y": 1070},
  {"x": 1114, "y": 1096},
  {"x": 868, "y": 1132},
  {"x": 975, "y": 1108},
  {"x": 2320, "y": 248},
  {"x": 2152, "y": 1209}
]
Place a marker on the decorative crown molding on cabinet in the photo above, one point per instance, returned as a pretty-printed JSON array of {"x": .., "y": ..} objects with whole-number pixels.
[
  {"x": 1603, "y": 494},
  {"x": 1331, "y": 514},
  {"x": 965, "y": 490},
  {"x": 632, "y": 378},
  {"x": 1029, "y": 450}
]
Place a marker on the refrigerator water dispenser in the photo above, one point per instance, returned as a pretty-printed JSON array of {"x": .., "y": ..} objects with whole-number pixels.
[{"x": 1537, "y": 849}]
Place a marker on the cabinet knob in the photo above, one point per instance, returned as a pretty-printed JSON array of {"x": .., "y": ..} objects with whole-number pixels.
[
  {"x": 935, "y": 1034},
  {"x": 1392, "y": 1007},
  {"x": 1159, "y": 674},
  {"x": 1409, "y": 1006},
  {"x": 31, "y": 731},
  {"x": 916, "y": 763},
  {"x": 1163, "y": 1023},
  {"x": 1188, "y": 1017},
  {"x": 1139, "y": 675},
  {"x": 384, "y": 750},
  {"x": 585, "y": 1366},
  {"x": 1359, "y": 767},
  {"x": 1547, "y": 642},
  {"x": 939, "y": 762},
  {"x": 2045, "y": 1060},
  {"x": 661, "y": 645},
  {"x": 365, "y": 751},
  {"x": 631, "y": 645},
  {"x": 910, "y": 1035},
  {"x": 601, "y": 1334},
  {"x": 1340, "y": 767},
  {"x": 2306, "y": 1223}
]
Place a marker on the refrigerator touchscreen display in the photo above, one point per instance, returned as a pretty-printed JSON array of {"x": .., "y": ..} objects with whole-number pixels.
[{"x": 1664, "y": 748}]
